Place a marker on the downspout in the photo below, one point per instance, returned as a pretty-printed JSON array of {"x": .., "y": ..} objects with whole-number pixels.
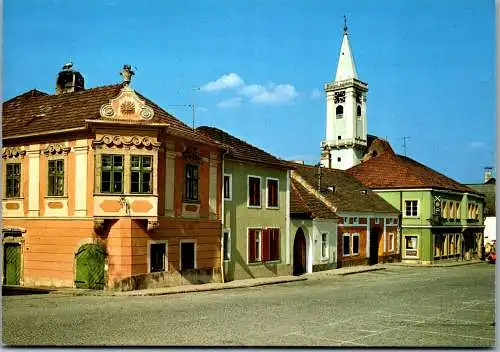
[
  {"x": 222, "y": 218},
  {"x": 400, "y": 225},
  {"x": 287, "y": 216}
]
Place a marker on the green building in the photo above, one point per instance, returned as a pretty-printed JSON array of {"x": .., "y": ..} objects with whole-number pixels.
[
  {"x": 256, "y": 207},
  {"x": 441, "y": 219}
]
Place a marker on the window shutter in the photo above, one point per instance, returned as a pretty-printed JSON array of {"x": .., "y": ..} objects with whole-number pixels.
[
  {"x": 251, "y": 245},
  {"x": 266, "y": 247},
  {"x": 276, "y": 240}
]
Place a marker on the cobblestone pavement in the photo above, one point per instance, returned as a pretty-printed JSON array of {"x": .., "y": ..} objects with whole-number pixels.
[{"x": 398, "y": 306}]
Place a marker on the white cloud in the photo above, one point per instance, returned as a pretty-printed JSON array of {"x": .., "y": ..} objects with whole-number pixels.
[
  {"x": 201, "y": 109},
  {"x": 315, "y": 94},
  {"x": 476, "y": 145},
  {"x": 230, "y": 103},
  {"x": 280, "y": 93},
  {"x": 258, "y": 94},
  {"x": 231, "y": 80}
]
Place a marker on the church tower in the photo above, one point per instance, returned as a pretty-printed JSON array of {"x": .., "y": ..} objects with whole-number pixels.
[{"x": 346, "y": 126}]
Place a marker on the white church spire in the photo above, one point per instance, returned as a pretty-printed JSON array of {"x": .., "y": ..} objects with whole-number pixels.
[{"x": 346, "y": 68}]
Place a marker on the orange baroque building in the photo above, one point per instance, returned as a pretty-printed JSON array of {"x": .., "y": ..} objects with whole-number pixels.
[{"x": 103, "y": 188}]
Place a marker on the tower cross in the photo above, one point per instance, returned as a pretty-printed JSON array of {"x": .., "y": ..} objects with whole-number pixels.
[{"x": 345, "y": 25}]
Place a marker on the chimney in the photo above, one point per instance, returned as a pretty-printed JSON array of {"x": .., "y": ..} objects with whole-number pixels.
[
  {"x": 69, "y": 80},
  {"x": 488, "y": 173}
]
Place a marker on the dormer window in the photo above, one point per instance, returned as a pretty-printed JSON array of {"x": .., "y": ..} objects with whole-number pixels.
[{"x": 339, "y": 111}]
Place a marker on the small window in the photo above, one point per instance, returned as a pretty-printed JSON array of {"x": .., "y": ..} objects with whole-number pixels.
[
  {"x": 191, "y": 187},
  {"x": 112, "y": 173},
  {"x": 346, "y": 219},
  {"x": 141, "y": 169},
  {"x": 56, "y": 178},
  {"x": 272, "y": 193},
  {"x": 339, "y": 111},
  {"x": 338, "y": 159},
  {"x": 227, "y": 245},
  {"x": 377, "y": 220},
  {"x": 254, "y": 191},
  {"x": 158, "y": 252},
  {"x": 355, "y": 220},
  {"x": 411, "y": 246},
  {"x": 228, "y": 187},
  {"x": 339, "y": 137},
  {"x": 411, "y": 207},
  {"x": 358, "y": 111},
  {"x": 355, "y": 244},
  {"x": 346, "y": 244},
  {"x": 324, "y": 246},
  {"x": 13, "y": 180}
]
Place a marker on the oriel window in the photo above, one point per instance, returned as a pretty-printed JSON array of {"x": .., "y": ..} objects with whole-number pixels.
[
  {"x": 112, "y": 173},
  {"x": 141, "y": 169},
  {"x": 56, "y": 178}
]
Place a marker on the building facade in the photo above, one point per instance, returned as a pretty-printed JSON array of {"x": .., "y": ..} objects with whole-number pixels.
[
  {"x": 255, "y": 211},
  {"x": 441, "y": 219},
  {"x": 103, "y": 188}
]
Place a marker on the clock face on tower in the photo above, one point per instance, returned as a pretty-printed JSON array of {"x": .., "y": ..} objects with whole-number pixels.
[{"x": 339, "y": 97}]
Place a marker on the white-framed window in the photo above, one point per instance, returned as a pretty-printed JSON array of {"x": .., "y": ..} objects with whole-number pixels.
[
  {"x": 254, "y": 191},
  {"x": 411, "y": 245},
  {"x": 355, "y": 220},
  {"x": 157, "y": 255},
  {"x": 187, "y": 257},
  {"x": 355, "y": 243},
  {"x": 377, "y": 220},
  {"x": 391, "y": 242},
  {"x": 324, "y": 246},
  {"x": 227, "y": 244},
  {"x": 272, "y": 193},
  {"x": 411, "y": 208},
  {"x": 346, "y": 244},
  {"x": 346, "y": 219},
  {"x": 228, "y": 186}
]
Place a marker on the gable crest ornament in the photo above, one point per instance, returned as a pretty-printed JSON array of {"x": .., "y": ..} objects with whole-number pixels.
[{"x": 127, "y": 106}]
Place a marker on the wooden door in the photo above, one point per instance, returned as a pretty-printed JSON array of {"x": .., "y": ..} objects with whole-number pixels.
[
  {"x": 299, "y": 253},
  {"x": 12, "y": 264},
  {"x": 90, "y": 260}
]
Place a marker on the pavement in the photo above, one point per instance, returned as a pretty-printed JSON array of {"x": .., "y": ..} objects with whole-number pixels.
[{"x": 20, "y": 290}]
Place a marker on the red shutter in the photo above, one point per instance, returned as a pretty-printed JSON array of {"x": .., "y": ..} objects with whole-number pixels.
[
  {"x": 277, "y": 239},
  {"x": 251, "y": 245},
  {"x": 266, "y": 255}
]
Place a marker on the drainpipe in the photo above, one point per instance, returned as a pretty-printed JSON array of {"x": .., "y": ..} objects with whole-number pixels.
[{"x": 222, "y": 218}]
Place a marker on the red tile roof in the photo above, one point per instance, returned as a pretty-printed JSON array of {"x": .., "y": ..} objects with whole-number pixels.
[
  {"x": 35, "y": 112},
  {"x": 241, "y": 150},
  {"x": 349, "y": 195},
  {"x": 304, "y": 203},
  {"x": 389, "y": 170}
]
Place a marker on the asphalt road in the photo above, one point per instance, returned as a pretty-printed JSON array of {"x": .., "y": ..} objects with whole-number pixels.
[{"x": 400, "y": 306}]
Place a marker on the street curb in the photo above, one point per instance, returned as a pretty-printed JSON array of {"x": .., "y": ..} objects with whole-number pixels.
[
  {"x": 206, "y": 289},
  {"x": 436, "y": 265},
  {"x": 332, "y": 273}
]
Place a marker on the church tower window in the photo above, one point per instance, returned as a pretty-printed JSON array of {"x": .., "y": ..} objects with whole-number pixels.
[
  {"x": 339, "y": 111},
  {"x": 358, "y": 111}
]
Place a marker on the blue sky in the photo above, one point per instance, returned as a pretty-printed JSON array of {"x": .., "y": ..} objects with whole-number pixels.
[{"x": 429, "y": 66}]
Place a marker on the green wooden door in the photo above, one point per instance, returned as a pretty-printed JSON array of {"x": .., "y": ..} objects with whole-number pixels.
[
  {"x": 90, "y": 267},
  {"x": 12, "y": 264}
]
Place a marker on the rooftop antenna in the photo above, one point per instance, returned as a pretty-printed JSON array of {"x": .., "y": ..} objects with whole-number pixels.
[{"x": 404, "y": 143}]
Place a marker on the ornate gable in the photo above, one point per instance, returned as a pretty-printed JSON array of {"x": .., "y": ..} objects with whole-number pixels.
[{"x": 127, "y": 106}]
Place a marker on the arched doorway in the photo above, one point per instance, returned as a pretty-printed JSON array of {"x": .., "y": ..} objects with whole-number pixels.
[
  {"x": 374, "y": 243},
  {"x": 299, "y": 253},
  {"x": 90, "y": 260}
]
